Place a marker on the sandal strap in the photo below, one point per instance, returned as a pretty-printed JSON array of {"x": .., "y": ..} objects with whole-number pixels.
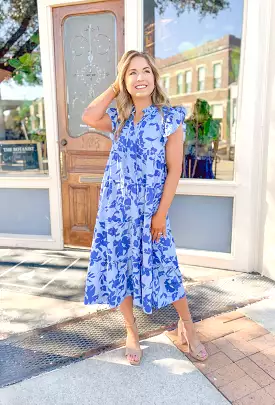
[
  {"x": 199, "y": 352},
  {"x": 130, "y": 350},
  {"x": 130, "y": 324},
  {"x": 188, "y": 321}
]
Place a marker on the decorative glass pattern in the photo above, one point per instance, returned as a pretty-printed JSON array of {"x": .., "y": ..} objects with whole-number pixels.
[{"x": 90, "y": 63}]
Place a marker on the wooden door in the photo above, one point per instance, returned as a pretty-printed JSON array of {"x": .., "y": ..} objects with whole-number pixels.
[{"x": 88, "y": 41}]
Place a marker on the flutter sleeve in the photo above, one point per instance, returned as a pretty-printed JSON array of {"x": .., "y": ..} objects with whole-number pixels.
[
  {"x": 174, "y": 117},
  {"x": 113, "y": 114}
]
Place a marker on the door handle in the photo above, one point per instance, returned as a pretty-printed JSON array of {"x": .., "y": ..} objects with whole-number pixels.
[
  {"x": 90, "y": 179},
  {"x": 63, "y": 165},
  {"x": 64, "y": 142}
]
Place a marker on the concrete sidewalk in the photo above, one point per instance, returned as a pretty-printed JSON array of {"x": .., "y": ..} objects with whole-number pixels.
[
  {"x": 165, "y": 376},
  {"x": 241, "y": 368},
  {"x": 32, "y": 298}
]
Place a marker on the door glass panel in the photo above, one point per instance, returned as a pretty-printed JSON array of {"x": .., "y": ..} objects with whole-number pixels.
[
  {"x": 202, "y": 39},
  {"x": 90, "y": 63}
]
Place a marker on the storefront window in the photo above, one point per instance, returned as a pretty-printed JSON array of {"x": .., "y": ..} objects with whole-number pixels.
[
  {"x": 23, "y": 149},
  {"x": 202, "y": 40}
]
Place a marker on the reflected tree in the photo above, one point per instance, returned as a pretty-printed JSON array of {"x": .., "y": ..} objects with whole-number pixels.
[
  {"x": 235, "y": 56},
  {"x": 201, "y": 144},
  {"x": 204, "y": 7},
  {"x": 19, "y": 43}
]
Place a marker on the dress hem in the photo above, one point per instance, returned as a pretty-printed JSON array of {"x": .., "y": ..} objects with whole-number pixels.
[{"x": 105, "y": 302}]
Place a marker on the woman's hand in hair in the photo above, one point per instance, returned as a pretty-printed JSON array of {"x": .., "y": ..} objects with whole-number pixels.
[{"x": 116, "y": 86}]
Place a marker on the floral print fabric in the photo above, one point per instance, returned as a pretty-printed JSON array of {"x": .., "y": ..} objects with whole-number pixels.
[{"x": 124, "y": 260}]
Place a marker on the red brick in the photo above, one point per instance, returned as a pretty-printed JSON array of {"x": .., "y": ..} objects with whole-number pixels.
[
  {"x": 225, "y": 375},
  {"x": 211, "y": 348},
  {"x": 229, "y": 316},
  {"x": 212, "y": 329},
  {"x": 245, "y": 347},
  {"x": 213, "y": 363},
  {"x": 265, "y": 363},
  {"x": 256, "y": 398},
  {"x": 270, "y": 353},
  {"x": 203, "y": 338},
  {"x": 249, "y": 334},
  {"x": 226, "y": 347},
  {"x": 255, "y": 372},
  {"x": 270, "y": 389},
  {"x": 240, "y": 388},
  {"x": 245, "y": 324},
  {"x": 264, "y": 342}
]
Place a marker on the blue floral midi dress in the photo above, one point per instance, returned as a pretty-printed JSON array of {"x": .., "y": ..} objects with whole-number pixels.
[{"x": 124, "y": 260}]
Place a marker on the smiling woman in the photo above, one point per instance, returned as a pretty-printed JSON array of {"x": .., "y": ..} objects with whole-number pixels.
[{"x": 133, "y": 256}]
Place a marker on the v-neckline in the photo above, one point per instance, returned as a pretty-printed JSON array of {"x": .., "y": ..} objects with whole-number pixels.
[
  {"x": 145, "y": 111},
  {"x": 136, "y": 123}
]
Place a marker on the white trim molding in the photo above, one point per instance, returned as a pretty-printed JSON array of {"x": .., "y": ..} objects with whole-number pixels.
[
  {"x": 263, "y": 226},
  {"x": 134, "y": 27},
  {"x": 203, "y": 65}
]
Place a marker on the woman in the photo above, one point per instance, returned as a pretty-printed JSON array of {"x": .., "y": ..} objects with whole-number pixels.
[{"x": 133, "y": 257}]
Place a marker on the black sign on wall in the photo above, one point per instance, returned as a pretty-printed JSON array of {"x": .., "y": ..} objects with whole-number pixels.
[{"x": 20, "y": 156}]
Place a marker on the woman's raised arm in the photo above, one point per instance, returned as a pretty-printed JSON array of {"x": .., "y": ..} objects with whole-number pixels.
[{"x": 95, "y": 114}]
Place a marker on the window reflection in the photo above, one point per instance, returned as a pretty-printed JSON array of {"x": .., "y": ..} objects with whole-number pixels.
[
  {"x": 217, "y": 74},
  {"x": 188, "y": 81},
  {"x": 180, "y": 83},
  {"x": 201, "y": 78},
  {"x": 198, "y": 54},
  {"x": 166, "y": 83},
  {"x": 22, "y": 120}
]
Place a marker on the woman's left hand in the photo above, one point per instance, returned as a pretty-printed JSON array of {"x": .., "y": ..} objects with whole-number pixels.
[{"x": 158, "y": 226}]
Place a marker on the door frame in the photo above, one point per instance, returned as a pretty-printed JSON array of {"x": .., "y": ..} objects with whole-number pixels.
[
  {"x": 246, "y": 187},
  {"x": 53, "y": 181},
  {"x": 81, "y": 147}
]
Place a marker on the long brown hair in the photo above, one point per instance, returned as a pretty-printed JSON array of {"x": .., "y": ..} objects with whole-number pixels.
[{"x": 124, "y": 99}]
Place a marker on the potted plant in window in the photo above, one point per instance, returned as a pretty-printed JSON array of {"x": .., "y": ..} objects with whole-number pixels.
[{"x": 201, "y": 142}]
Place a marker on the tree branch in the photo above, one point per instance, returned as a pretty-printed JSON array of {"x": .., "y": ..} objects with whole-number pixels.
[
  {"x": 23, "y": 27},
  {"x": 8, "y": 68},
  {"x": 27, "y": 47}
]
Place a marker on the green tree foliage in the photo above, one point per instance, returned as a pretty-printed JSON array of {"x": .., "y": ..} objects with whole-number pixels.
[
  {"x": 204, "y": 7},
  {"x": 202, "y": 133},
  {"x": 235, "y": 55},
  {"x": 201, "y": 127},
  {"x": 19, "y": 43}
]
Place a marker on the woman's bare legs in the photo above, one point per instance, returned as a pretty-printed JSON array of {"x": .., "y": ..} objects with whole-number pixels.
[
  {"x": 126, "y": 308},
  {"x": 182, "y": 309}
]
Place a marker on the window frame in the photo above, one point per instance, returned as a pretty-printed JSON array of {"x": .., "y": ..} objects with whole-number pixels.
[
  {"x": 180, "y": 89},
  {"x": 188, "y": 83},
  {"x": 198, "y": 78},
  {"x": 165, "y": 77},
  {"x": 217, "y": 63}
]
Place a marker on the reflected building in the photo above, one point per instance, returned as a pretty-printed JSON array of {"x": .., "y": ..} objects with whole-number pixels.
[{"x": 208, "y": 72}]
